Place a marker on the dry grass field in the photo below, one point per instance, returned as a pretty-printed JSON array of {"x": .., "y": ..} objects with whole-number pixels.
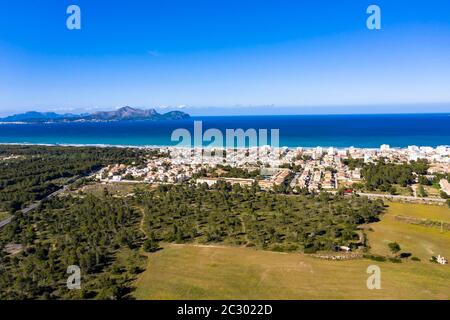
[
  {"x": 214, "y": 272},
  {"x": 190, "y": 272},
  {"x": 420, "y": 241}
]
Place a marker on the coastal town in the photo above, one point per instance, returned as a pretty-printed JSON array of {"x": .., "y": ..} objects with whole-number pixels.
[{"x": 312, "y": 169}]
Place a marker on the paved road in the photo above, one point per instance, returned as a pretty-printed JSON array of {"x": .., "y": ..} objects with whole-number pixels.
[
  {"x": 5, "y": 222},
  {"x": 33, "y": 206},
  {"x": 388, "y": 196}
]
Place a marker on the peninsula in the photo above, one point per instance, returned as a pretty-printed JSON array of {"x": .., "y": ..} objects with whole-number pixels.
[{"x": 124, "y": 113}]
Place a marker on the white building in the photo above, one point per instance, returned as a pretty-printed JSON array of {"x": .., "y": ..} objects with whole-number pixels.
[
  {"x": 385, "y": 147},
  {"x": 445, "y": 186},
  {"x": 441, "y": 260}
]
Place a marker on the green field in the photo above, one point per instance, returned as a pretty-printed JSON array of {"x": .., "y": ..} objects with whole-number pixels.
[
  {"x": 117, "y": 189},
  {"x": 202, "y": 272}
]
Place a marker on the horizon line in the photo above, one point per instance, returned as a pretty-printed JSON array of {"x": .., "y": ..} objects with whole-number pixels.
[{"x": 261, "y": 110}]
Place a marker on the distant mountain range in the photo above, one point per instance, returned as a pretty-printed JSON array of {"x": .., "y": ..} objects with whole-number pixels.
[{"x": 125, "y": 113}]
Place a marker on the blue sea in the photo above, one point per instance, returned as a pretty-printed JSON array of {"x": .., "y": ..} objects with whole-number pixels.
[{"x": 300, "y": 130}]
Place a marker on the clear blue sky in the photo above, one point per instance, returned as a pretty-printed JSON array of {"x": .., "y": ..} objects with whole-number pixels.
[{"x": 224, "y": 53}]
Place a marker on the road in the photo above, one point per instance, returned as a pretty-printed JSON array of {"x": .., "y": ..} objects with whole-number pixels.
[
  {"x": 5, "y": 222},
  {"x": 388, "y": 196},
  {"x": 34, "y": 205},
  {"x": 410, "y": 198}
]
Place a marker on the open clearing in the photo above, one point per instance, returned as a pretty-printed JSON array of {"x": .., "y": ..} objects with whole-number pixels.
[
  {"x": 192, "y": 272},
  {"x": 116, "y": 189},
  {"x": 215, "y": 272},
  {"x": 420, "y": 241}
]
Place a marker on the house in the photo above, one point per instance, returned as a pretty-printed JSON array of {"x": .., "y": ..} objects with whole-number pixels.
[
  {"x": 445, "y": 186},
  {"x": 209, "y": 181},
  {"x": 212, "y": 181},
  {"x": 441, "y": 260},
  {"x": 116, "y": 178}
]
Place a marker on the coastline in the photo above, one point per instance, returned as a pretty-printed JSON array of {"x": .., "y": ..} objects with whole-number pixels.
[
  {"x": 101, "y": 145},
  {"x": 309, "y": 131}
]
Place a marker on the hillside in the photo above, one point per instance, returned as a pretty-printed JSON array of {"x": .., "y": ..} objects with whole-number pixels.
[{"x": 125, "y": 113}]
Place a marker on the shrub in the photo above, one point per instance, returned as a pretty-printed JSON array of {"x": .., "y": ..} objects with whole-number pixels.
[
  {"x": 116, "y": 269},
  {"x": 404, "y": 255},
  {"x": 310, "y": 250},
  {"x": 394, "y": 247},
  {"x": 284, "y": 248},
  {"x": 395, "y": 260},
  {"x": 374, "y": 257},
  {"x": 151, "y": 245}
]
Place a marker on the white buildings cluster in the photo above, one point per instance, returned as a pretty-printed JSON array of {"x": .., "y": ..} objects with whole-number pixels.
[
  {"x": 315, "y": 168},
  {"x": 155, "y": 171},
  {"x": 445, "y": 186}
]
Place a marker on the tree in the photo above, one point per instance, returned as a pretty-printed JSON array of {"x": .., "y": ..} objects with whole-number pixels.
[
  {"x": 150, "y": 245},
  {"x": 424, "y": 181},
  {"x": 421, "y": 192},
  {"x": 394, "y": 247},
  {"x": 393, "y": 190}
]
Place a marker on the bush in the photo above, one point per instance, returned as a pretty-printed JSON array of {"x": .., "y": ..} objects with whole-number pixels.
[
  {"x": 374, "y": 257},
  {"x": 421, "y": 192},
  {"x": 394, "y": 247},
  {"x": 151, "y": 245},
  {"x": 135, "y": 269},
  {"x": 404, "y": 255},
  {"x": 415, "y": 259},
  {"x": 116, "y": 269},
  {"x": 310, "y": 250},
  {"x": 395, "y": 260},
  {"x": 284, "y": 248}
]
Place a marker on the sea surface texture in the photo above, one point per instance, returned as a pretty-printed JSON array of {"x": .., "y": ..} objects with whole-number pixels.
[{"x": 295, "y": 131}]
